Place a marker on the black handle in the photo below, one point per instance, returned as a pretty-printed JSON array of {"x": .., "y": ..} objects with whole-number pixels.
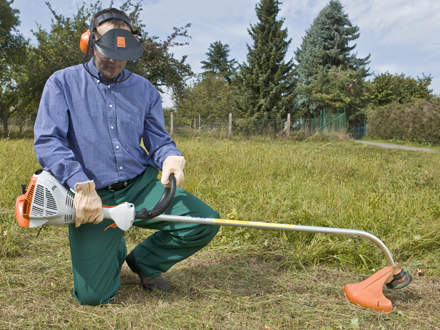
[{"x": 163, "y": 203}]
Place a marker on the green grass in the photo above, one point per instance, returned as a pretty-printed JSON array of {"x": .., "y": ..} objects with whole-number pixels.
[{"x": 250, "y": 278}]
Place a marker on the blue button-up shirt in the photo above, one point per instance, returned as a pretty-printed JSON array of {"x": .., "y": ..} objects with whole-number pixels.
[{"x": 87, "y": 130}]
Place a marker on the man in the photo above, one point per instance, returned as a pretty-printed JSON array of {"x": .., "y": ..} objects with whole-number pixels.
[{"x": 90, "y": 123}]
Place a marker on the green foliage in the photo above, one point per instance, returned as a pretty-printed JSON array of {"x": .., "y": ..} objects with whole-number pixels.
[
  {"x": 8, "y": 20},
  {"x": 211, "y": 97},
  {"x": 326, "y": 54},
  {"x": 59, "y": 48},
  {"x": 387, "y": 88},
  {"x": 418, "y": 121},
  {"x": 12, "y": 54},
  {"x": 218, "y": 61},
  {"x": 337, "y": 89},
  {"x": 265, "y": 81}
]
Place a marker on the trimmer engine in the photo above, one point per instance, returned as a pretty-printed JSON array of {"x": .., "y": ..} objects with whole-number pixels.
[{"x": 46, "y": 202}]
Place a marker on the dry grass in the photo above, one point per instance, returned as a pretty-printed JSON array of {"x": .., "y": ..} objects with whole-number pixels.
[
  {"x": 250, "y": 279},
  {"x": 211, "y": 290}
]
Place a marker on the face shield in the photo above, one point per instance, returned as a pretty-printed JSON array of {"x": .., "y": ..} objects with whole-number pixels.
[{"x": 119, "y": 44}]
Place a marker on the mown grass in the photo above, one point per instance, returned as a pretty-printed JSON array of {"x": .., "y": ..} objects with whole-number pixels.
[{"x": 249, "y": 278}]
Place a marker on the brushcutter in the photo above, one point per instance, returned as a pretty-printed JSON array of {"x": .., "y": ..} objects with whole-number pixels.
[{"x": 46, "y": 202}]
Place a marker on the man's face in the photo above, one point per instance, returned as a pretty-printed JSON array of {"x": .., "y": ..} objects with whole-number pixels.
[{"x": 108, "y": 67}]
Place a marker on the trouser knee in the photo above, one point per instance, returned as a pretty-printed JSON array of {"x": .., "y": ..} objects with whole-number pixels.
[
  {"x": 205, "y": 234},
  {"x": 211, "y": 231}
]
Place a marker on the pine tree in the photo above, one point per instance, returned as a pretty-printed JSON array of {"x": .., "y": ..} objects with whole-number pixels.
[
  {"x": 265, "y": 80},
  {"x": 326, "y": 48},
  {"x": 217, "y": 61}
]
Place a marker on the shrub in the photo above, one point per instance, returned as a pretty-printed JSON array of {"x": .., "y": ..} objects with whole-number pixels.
[{"x": 418, "y": 121}]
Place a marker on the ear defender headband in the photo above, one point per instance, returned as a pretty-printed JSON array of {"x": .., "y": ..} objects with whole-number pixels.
[{"x": 117, "y": 44}]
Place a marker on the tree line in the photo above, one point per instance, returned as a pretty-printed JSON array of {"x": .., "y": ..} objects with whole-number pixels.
[{"x": 325, "y": 72}]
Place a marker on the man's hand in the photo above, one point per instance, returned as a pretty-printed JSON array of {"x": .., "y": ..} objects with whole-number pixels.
[
  {"x": 88, "y": 205},
  {"x": 173, "y": 165}
]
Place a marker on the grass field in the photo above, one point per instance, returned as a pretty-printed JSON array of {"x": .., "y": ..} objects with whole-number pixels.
[{"x": 250, "y": 278}]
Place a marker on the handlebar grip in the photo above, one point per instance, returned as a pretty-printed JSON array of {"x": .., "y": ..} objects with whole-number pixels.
[{"x": 163, "y": 203}]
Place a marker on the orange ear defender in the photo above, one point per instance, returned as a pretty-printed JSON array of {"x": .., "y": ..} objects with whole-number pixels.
[{"x": 84, "y": 42}]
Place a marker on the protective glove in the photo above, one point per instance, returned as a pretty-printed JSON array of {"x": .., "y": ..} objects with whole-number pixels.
[
  {"x": 175, "y": 165},
  {"x": 88, "y": 205}
]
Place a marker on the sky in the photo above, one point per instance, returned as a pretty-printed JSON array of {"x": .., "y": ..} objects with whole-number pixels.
[{"x": 402, "y": 36}]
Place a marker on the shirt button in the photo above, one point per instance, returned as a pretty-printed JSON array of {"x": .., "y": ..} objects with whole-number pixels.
[
  {"x": 121, "y": 167},
  {"x": 110, "y": 105},
  {"x": 117, "y": 147},
  {"x": 108, "y": 86},
  {"x": 112, "y": 127}
]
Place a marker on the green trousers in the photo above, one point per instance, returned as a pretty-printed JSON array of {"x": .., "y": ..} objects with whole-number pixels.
[{"x": 98, "y": 255}]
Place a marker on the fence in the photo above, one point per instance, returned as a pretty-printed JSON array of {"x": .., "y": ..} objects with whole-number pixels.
[
  {"x": 322, "y": 122},
  {"x": 17, "y": 128},
  {"x": 359, "y": 131},
  {"x": 224, "y": 128}
]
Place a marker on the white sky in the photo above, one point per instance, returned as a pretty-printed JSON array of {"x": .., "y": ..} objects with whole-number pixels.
[{"x": 400, "y": 35}]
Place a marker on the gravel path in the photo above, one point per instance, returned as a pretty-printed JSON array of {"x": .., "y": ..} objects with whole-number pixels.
[{"x": 396, "y": 146}]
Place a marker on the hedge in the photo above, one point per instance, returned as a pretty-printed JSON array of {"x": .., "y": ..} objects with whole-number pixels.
[{"x": 417, "y": 122}]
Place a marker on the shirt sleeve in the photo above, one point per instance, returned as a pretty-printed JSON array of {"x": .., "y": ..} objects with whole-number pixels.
[
  {"x": 156, "y": 139},
  {"x": 51, "y": 142}
]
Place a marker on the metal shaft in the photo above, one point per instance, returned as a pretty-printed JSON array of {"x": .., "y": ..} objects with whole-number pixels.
[{"x": 280, "y": 226}]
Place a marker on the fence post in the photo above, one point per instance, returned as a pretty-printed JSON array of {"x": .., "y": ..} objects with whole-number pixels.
[
  {"x": 171, "y": 123},
  {"x": 288, "y": 125},
  {"x": 230, "y": 125}
]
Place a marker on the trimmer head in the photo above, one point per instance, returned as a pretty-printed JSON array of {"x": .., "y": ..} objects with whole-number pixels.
[
  {"x": 369, "y": 294},
  {"x": 400, "y": 280}
]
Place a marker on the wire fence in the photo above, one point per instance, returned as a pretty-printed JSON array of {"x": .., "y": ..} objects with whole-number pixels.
[
  {"x": 322, "y": 122},
  {"x": 17, "y": 128}
]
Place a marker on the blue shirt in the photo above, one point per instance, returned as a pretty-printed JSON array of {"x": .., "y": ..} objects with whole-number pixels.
[{"x": 87, "y": 130}]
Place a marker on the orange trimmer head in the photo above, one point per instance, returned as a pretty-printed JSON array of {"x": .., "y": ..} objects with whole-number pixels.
[{"x": 369, "y": 294}]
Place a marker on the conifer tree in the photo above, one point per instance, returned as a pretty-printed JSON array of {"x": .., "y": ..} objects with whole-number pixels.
[
  {"x": 327, "y": 48},
  {"x": 218, "y": 61},
  {"x": 265, "y": 82}
]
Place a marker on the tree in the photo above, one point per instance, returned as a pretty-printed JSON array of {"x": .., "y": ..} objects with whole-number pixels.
[
  {"x": 218, "y": 62},
  {"x": 265, "y": 80},
  {"x": 326, "y": 49},
  {"x": 8, "y": 20},
  {"x": 59, "y": 48},
  {"x": 337, "y": 89},
  {"x": 387, "y": 88},
  {"x": 12, "y": 51},
  {"x": 211, "y": 98}
]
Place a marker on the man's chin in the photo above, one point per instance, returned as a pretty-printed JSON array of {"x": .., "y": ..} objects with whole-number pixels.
[{"x": 110, "y": 75}]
